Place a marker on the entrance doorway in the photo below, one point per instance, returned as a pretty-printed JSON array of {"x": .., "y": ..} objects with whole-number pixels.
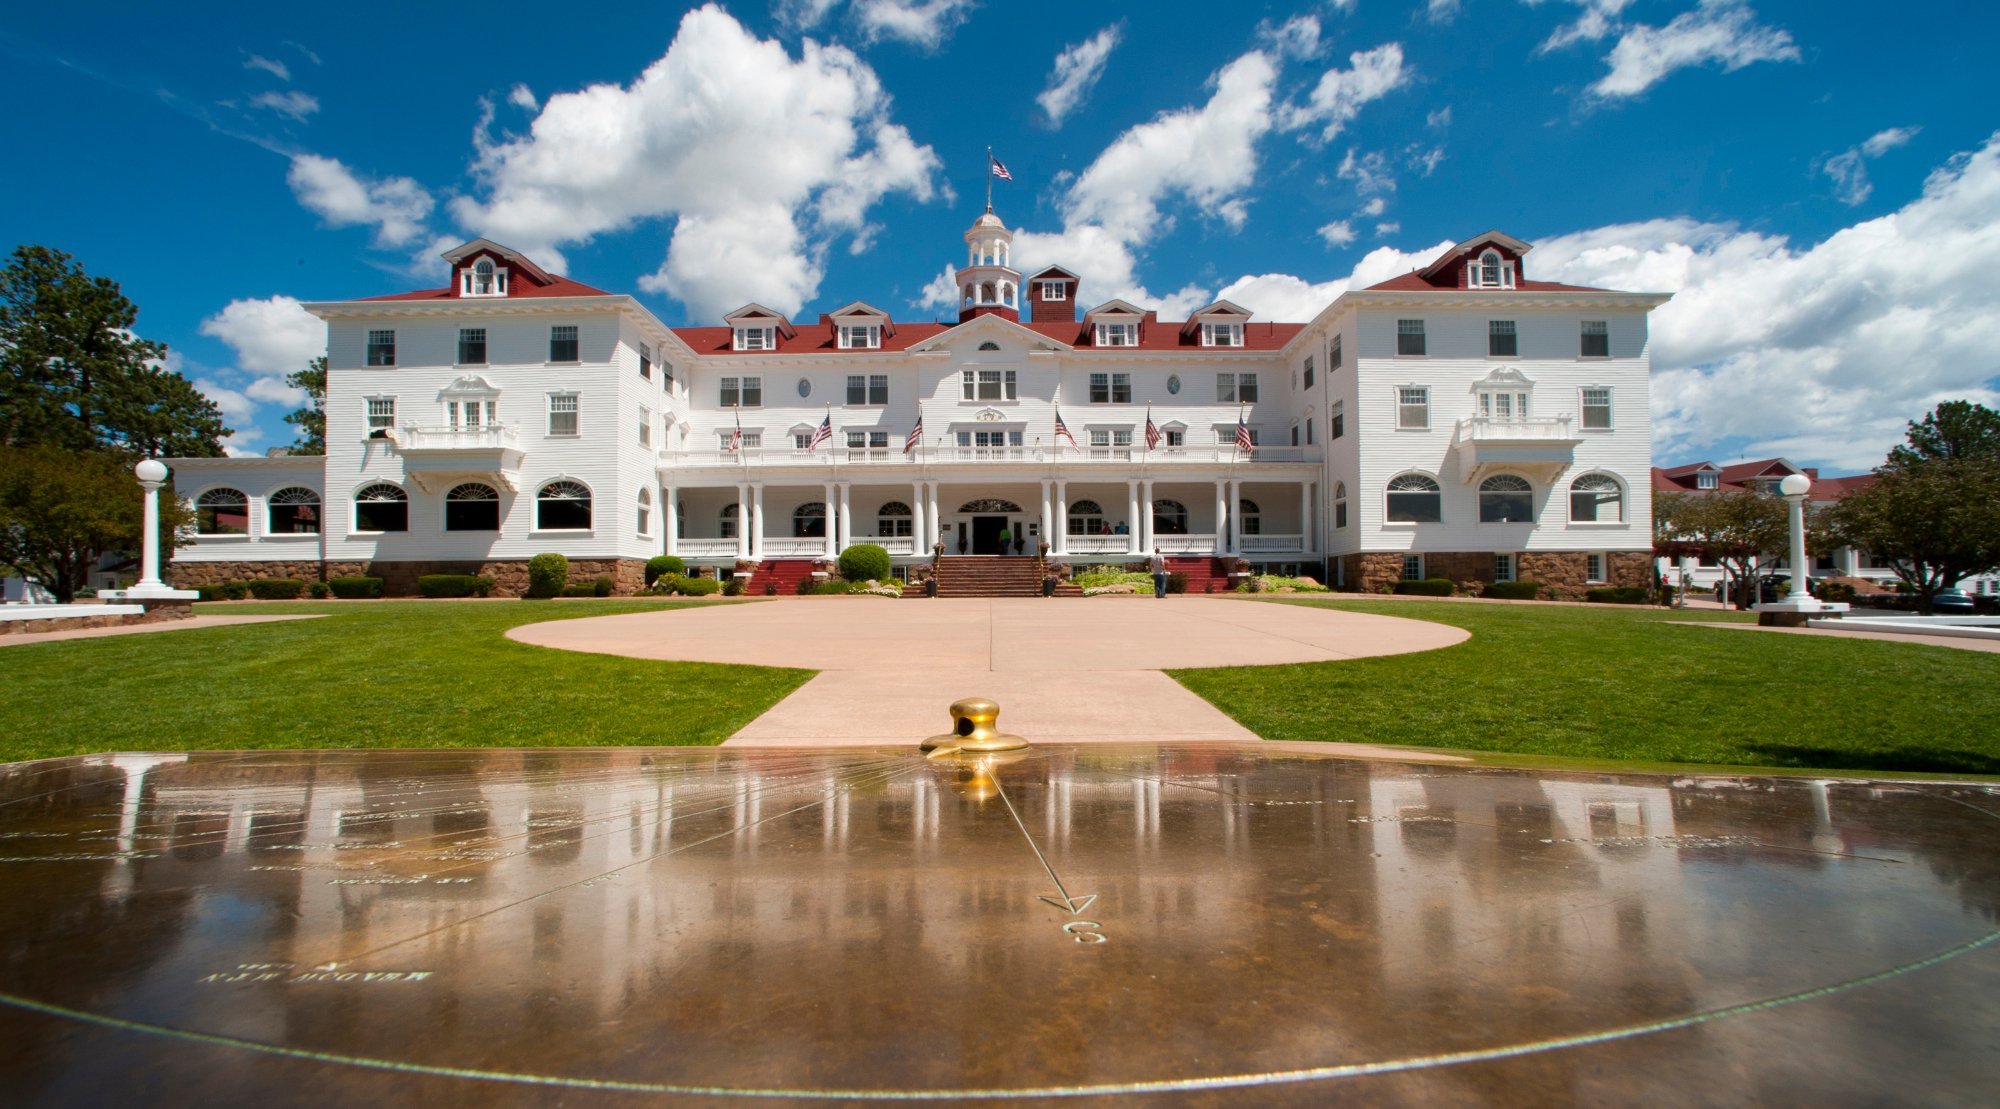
[{"x": 986, "y": 535}]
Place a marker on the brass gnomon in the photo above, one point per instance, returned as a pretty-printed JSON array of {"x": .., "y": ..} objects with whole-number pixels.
[{"x": 975, "y": 730}]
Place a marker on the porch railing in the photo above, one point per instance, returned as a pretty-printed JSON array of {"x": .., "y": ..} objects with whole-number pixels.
[
  {"x": 1271, "y": 544},
  {"x": 1098, "y": 544},
  {"x": 767, "y": 457},
  {"x": 1190, "y": 543},
  {"x": 706, "y": 548}
]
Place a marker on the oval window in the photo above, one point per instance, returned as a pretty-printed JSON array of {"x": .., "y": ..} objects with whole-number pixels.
[
  {"x": 1174, "y": 384},
  {"x": 805, "y": 387}
]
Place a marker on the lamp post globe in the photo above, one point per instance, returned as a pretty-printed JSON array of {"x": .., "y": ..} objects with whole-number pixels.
[
  {"x": 151, "y": 471},
  {"x": 1795, "y": 485}
]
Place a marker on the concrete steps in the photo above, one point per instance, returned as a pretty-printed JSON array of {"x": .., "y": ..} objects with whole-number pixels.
[
  {"x": 786, "y": 572},
  {"x": 989, "y": 576}
]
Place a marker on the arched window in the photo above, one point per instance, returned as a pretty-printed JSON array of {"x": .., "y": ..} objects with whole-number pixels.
[
  {"x": 1086, "y": 518},
  {"x": 222, "y": 512},
  {"x": 472, "y": 507},
  {"x": 1339, "y": 504},
  {"x": 988, "y": 506},
  {"x": 645, "y": 512},
  {"x": 1506, "y": 499},
  {"x": 294, "y": 511},
  {"x": 562, "y": 506},
  {"x": 989, "y": 346},
  {"x": 809, "y": 521},
  {"x": 893, "y": 519},
  {"x": 381, "y": 507},
  {"x": 482, "y": 277},
  {"x": 727, "y": 527},
  {"x": 1596, "y": 499},
  {"x": 1249, "y": 518},
  {"x": 1170, "y": 518},
  {"x": 986, "y": 293},
  {"x": 1415, "y": 499},
  {"x": 1489, "y": 269}
]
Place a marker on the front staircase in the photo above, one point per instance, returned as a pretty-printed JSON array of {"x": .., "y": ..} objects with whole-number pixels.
[
  {"x": 987, "y": 576},
  {"x": 1204, "y": 574},
  {"x": 786, "y": 572}
]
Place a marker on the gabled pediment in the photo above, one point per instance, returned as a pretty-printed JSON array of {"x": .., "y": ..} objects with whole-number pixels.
[
  {"x": 756, "y": 315},
  {"x": 1501, "y": 239},
  {"x": 1222, "y": 311},
  {"x": 469, "y": 384},
  {"x": 989, "y": 326},
  {"x": 470, "y": 251},
  {"x": 1505, "y": 376},
  {"x": 1115, "y": 308}
]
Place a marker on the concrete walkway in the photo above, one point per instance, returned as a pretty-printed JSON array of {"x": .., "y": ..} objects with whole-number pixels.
[
  {"x": 1062, "y": 670},
  {"x": 192, "y": 623}
]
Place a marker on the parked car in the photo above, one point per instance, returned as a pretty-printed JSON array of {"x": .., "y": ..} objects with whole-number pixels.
[{"x": 1952, "y": 600}]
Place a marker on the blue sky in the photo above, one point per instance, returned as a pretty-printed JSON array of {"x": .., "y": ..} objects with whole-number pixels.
[{"x": 1819, "y": 183}]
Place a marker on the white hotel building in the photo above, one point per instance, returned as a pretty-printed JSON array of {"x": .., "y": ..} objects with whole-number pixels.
[{"x": 1458, "y": 421}]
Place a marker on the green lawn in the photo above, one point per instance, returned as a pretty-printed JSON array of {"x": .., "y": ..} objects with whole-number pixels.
[
  {"x": 390, "y": 674},
  {"x": 1614, "y": 683}
]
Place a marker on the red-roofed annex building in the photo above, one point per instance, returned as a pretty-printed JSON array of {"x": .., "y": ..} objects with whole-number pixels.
[{"x": 1458, "y": 421}]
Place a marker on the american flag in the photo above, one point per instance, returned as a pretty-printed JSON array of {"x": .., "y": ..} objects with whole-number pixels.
[
  {"x": 916, "y": 435},
  {"x": 1152, "y": 430},
  {"x": 1243, "y": 442},
  {"x": 999, "y": 169},
  {"x": 1062, "y": 431},
  {"x": 736, "y": 437},
  {"x": 822, "y": 433}
]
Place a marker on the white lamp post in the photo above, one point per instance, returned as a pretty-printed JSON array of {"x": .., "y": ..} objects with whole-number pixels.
[
  {"x": 152, "y": 474},
  {"x": 1794, "y": 488}
]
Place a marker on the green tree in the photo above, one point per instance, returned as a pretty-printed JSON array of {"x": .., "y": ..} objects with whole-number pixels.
[
  {"x": 310, "y": 420},
  {"x": 1737, "y": 529},
  {"x": 74, "y": 374},
  {"x": 61, "y": 510},
  {"x": 1933, "y": 512},
  {"x": 1956, "y": 429}
]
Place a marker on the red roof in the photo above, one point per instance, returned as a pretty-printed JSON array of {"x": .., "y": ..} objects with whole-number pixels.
[
  {"x": 818, "y": 338},
  {"x": 1416, "y": 282},
  {"x": 1736, "y": 478},
  {"x": 521, "y": 290}
]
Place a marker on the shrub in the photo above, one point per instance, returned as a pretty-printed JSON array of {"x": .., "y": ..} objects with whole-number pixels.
[
  {"x": 1512, "y": 590},
  {"x": 1098, "y": 576},
  {"x": 277, "y": 589},
  {"x": 831, "y": 587},
  {"x": 807, "y": 586},
  {"x": 770, "y": 589},
  {"x": 663, "y": 564},
  {"x": 84, "y": 593},
  {"x": 547, "y": 574},
  {"x": 580, "y": 589},
  {"x": 603, "y": 586},
  {"x": 733, "y": 587},
  {"x": 1616, "y": 595},
  {"x": 864, "y": 562},
  {"x": 355, "y": 589},
  {"x": 235, "y": 590},
  {"x": 208, "y": 592},
  {"x": 1837, "y": 592},
  {"x": 1427, "y": 587},
  {"x": 318, "y": 591},
  {"x": 1176, "y": 582},
  {"x": 697, "y": 587},
  {"x": 453, "y": 585}
]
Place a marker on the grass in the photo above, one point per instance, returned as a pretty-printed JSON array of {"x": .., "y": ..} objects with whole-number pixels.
[
  {"x": 1630, "y": 685},
  {"x": 390, "y": 674}
]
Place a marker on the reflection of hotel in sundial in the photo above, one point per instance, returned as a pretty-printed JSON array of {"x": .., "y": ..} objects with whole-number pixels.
[{"x": 1463, "y": 420}]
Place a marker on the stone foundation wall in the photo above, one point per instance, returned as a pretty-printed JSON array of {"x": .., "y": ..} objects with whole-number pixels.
[
  {"x": 1375, "y": 572},
  {"x": 399, "y": 579},
  {"x": 156, "y": 613},
  {"x": 1563, "y": 574}
]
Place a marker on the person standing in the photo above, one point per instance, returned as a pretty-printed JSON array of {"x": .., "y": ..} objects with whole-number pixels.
[
  {"x": 1159, "y": 563},
  {"x": 1006, "y": 538}
]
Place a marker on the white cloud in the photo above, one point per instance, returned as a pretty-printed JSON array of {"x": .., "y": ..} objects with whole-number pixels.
[
  {"x": 1076, "y": 72},
  {"x": 1375, "y": 207},
  {"x": 1440, "y": 119},
  {"x": 925, "y": 23},
  {"x": 1821, "y": 351},
  {"x": 271, "y": 337},
  {"x": 1598, "y": 20},
  {"x": 758, "y": 157},
  {"x": 1338, "y": 233},
  {"x": 1423, "y": 159},
  {"x": 1369, "y": 171},
  {"x": 1384, "y": 230},
  {"x": 236, "y": 408},
  {"x": 1721, "y": 31},
  {"x": 940, "y": 293},
  {"x": 1341, "y": 93},
  {"x": 275, "y": 68},
  {"x": 303, "y": 51},
  {"x": 1297, "y": 37},
  {"x": 395, "y": 206},
  {"x": 292, "y": 102},
  {"x": 523, "y": 97},
  {"x": 1441, "y": 11},
  {"x": 1849, "y": 168}
]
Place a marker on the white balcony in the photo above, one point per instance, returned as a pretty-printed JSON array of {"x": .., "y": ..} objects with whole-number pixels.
[
  {"x": 889, "y": 458},
  {"x": 439, "y": 457},
  {"x": 1546, "y": 444}
]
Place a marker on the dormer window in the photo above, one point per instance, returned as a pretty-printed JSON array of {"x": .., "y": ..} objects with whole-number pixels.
[
  {"x": 1705, "y": 481},
  {"x": 483, "y": 279},
  {"x": 1490, "y": 271},
  {"x": 754, "y": 338},
  {"x": 1055, "y": 290},
  {"x": 1117, "y": 335},
  {"x": 860, "y": 337},
  {"x": 1222, "y": 334}
]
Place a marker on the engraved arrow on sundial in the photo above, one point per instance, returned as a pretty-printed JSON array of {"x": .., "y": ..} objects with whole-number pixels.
[{"x": 1062, "y": 900}]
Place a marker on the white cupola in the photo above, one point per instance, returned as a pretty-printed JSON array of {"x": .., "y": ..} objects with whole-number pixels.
[{"x": 988, "y": 283}]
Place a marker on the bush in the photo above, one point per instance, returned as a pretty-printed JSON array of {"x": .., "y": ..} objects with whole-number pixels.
[
  {"x": 807, "y": 586},
  {"x": 235, "y": 590},
  {"x": 864, "y": 562},
  {"x": 1176, "y": 582},
  {"x": 733, "y": 587},
  {"x": 355, "y": 589},
  {"x": 603, "y": 586},
  {"x": 84, "y": 593},
  {"x": 1427, "y": 587},
  {"x": 547, "y": 574},
  {"x": 1098, "y": 576},
  {"x": 1512, "y": 590},
  {"x": 663, "y": 564},
  {"x": 697, "y": 587},
  {"x": 1837, "y": 592},
  {"x": 1616, "y": 595},
  {"x": 770, "y": 589},
  {"x": 208, "y": 592},
  {"x": 580, "y": 589},
  {"x": 453, "y": 585},
  {"x": 318, "y": 591},
  {"x": 277, "y": 589}
]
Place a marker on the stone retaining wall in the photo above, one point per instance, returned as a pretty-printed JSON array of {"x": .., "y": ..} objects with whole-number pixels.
[
  {"x": 399, "y": 579},
  {"x": 194, "y": 575},
  {"x": 1563, "y": 574},
  {"x": 156, "y": 613}
]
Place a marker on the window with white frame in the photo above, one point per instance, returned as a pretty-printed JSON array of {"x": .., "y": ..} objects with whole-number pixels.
[
  {"x": 755, "y": 338},
  {"x": 1506, "y": 499},
  {"x": 473, "y": 506},
  {"x": 1339, "y": 505},
  {"x": 1111, "y": 437},
  {"x": 1309, "y": 371},
  {"x": 1225, "y": 436},
  {"x": 381, "y": 416},
  {"x": 645, "y": 426},
  {"x": 1222, "y": 334},
  {"x": 1336, "y": 424},
  {"x": 222, "y": 512},
  {"x": 563, "y": 343},
  {"x": 1413, "y": 567},
  {"x": 1233, "y": 388},
  {"x": 980, "y": 439},
  {"x": 894, "y": 520},
  {"x": 1410, "y": 337},
  {"x": 1117, "y": 335},
  {"x": 645, "y": 361},
  {"x": 1110, "y": 388},
  {"x": 1249, "y": 518},
  {"x": 867, "y": 440},
  {"x": 471, "y": 346},
  {"x": 381, "y": 507},
  {"x": 1596, "y": 499},
  {"x": 381, "y": 348},
  {"x": 1597, "y": 408},
  {"x": 562, "y": 414},
  {"x": 860, "y": 336},
  {"x": 484, "y": 280},
  {"x": 1706, "y": 481},
  {"x": 470, "y": 413},
  {"x": 645, "y": 513},
  {"x": 726, "y": 521},
  {"x": 1087, "y": 518},
  {"x": 864, "y": 389},
  {"x": 1501, "y": 341},
  {"x": 741, "y": 392},
  {"x": 563, "y": 506},
  {"x": 1593, "y": 568},
  {"x": 292, "y": 511},
  {"x": 1596, "y": 339},
  {"x": 1335, "y": 357},
  {"x": 988, "y": 385},
  {"x": 1055, "y": 290},
  {"x": 1490, "y": 271},
  {"x": 1503, "y": 567},
  {"x": 1413, "y": 408},
  {"x": 752, "y": 440},
  {"x": 1503, "y": 405},
  {"x": 1176, "y": 437},
  {"x": 1414, "y": 499},
  {"x": 1170, "y": 517}
]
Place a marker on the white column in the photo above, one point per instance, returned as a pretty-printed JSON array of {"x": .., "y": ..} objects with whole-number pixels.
[
  {"x": 757, "y": 535},
  {"x": 1062, "y": 517},
  {"x": 1306, "y": 544},
  {"x": 151, "y": 475},
  {"x": 937, "y": 521},
  {"x": 1131, "y": 516},
  {"x": 1144, "y": 524},
  {"x": 834, "y": 521},
  {"x": 920, "y": 528},
  {"x": 846, "y": 526},
  {"x": 670, "y": 502},
  {"x": 744, "y": 520},
  {"x": 1235, "y": 505},
  {"x": 1221, "y": 518},
  {"x": 1048, "y": 534}
]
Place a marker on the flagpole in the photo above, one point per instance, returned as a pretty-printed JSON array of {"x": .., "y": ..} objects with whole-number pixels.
[{"x": 989, "y": 178}]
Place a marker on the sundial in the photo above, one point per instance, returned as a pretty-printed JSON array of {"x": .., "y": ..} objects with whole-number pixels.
[{"x": 1211, "y": 922}]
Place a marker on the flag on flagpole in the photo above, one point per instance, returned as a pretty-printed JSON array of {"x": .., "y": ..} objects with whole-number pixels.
[
  {"x": 1243, "y": 442},
  {"x": 736, "y": 437},
  {"x": 916, "y": 435},
  {"x": 1062, "y": 431},
  {"x": 1152, "y": 430},
  {"x": 999, "y": 168},
  {"x": 822, "y": 433}
]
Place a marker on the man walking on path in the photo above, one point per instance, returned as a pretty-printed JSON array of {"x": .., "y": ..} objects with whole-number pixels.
[{"x": 1159, "y": 562}]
